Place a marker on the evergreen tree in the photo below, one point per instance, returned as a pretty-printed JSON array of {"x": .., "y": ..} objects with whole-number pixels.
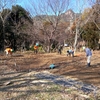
[{"x": 90, "y": 35}]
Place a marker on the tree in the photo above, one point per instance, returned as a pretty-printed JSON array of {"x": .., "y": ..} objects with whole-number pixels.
[
  {"x": 92, "y": 16},
  {"x": 86, "y": 13},
  {"x": 50, "y": 11},
  {"x": 80, "y": 5},
  {"x": 48, "y": 15},
  {"x": 83, "y": 20},
  {"x": 3, "y": 17},
  {"x": 90, "y": 35},
  {"x": 15, "y": 24}
]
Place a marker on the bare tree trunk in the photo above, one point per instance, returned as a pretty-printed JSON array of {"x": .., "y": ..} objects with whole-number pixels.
[
  {"x": 76, "y": 37},
  {"x": 77, "y": 21}
]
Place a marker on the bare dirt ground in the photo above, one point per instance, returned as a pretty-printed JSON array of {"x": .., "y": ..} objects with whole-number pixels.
[
  {"x": 73, "y": 67},
  {"x": 69, "y": 66}
]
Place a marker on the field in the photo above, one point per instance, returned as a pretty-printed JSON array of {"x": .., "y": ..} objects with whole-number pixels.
[{"x": 27, "y": 76}]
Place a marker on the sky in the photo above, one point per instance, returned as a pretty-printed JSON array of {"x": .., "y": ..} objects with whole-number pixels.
[{"x": 76, "y": 5}]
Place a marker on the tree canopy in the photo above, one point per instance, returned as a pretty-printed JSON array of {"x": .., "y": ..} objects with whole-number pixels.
[{"x": 90, "y": 35}]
